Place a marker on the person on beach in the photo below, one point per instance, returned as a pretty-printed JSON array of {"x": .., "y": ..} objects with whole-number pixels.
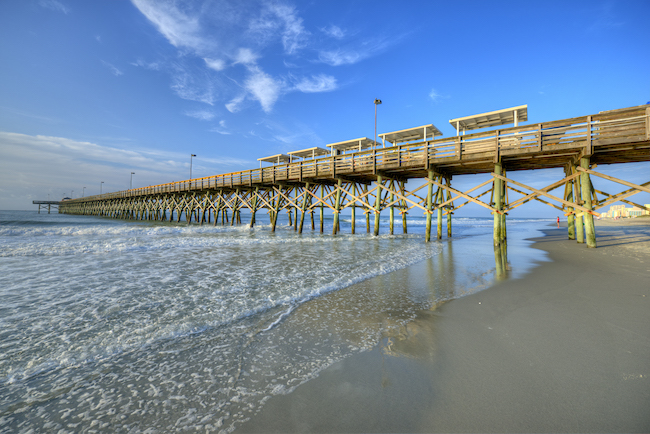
[{"x": 558, "y": 221}]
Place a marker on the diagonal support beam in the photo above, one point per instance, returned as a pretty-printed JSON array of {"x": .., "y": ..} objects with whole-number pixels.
[
  {"x": 550, "y": 196},
  {"x": 466, "y": 196}
]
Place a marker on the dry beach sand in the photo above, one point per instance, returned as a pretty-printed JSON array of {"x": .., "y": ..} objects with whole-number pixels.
[{"x": 566, "y": 348}]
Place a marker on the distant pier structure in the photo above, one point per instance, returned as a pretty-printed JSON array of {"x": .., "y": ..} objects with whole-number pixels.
[
  {"x": 49, "y": 203},
  {"x": 371, "y": 177}
]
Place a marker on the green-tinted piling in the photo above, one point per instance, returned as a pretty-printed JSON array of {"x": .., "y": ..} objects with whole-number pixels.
[
  {"x": 427, "y": 233},
  {"x": 586, "y": 195}
]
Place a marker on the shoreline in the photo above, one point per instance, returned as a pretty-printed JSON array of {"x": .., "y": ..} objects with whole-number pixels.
[{"x": 563, "y": 348}]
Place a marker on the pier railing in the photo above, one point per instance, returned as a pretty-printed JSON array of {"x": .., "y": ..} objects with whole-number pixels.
[{"x": 605, "y": 132}]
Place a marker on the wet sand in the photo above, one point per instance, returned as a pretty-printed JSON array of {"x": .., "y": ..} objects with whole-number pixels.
[{"x": 566, "y": 348}]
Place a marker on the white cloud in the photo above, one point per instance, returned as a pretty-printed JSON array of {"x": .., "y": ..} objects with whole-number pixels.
[
  {"x": 192, "y": 86},
  {"x": 334, "y": 32},
  {"x": 154, "y": 66},
  {"x": 216, "y": 64},
  {"x": 434, "y": 95},
  {"x": 246, "y": 56},
  {"x": 263, "y": 88},
  {"x": 235, "y": 104},
  {"x": 203, "y": 115},
  {"x": 221, "y": 129},
  {"x": 116, "y": 72},
  {"x": 227, "y": 33},
  {"x": 54, "y": 5},
  {"x": 180, "y": 29},
  {"x": 294, "y": 35},
  {"x": 357, "y": 52},
  {"x": 280, "y": 20},
  {"x": 340, "y": 57},
  {"x": 317, "y": 83}
]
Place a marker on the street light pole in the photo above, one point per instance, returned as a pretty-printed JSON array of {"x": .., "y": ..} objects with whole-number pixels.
[
  {"x": 191, "y": 155},
  {"x": 83, "y": 192},
  {"x": 377, "y": 102},
  {"x": 72, "y": 194},
  {"x": 100, "y": 187},
  {"x": 131, "y": 183}
]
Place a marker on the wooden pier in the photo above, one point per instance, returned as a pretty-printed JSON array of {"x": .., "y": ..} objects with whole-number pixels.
[
  {"x": 370, "y": 177},
  {"x": 49, "y": 203}
]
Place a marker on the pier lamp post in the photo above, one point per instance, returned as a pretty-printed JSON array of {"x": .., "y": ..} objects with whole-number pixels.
[
  {"x": 72, "y": 194},
  {"x": 377, "y": 102},
  {"x": 191, "y": 155},
  {"x": 100, "y": 187},
  {"x": 131, "y": 183},
  {"x": 83, "y": 192}
]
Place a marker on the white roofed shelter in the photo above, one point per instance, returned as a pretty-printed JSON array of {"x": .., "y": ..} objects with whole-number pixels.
[
  {"x": 356, "y": 145},
  {"x": 411, "y": 134},
  {"x": 308, "y": 153},
  {"x": 491, "y": 119},
  {"x": 275, "y": 159}
]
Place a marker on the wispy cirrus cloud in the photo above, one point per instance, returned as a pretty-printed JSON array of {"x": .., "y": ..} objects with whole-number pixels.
[
  {"x": 203, "y": 115},
  {"x": 54, "y": 5},
  {"x": 221, "y": 129},
  {"x": 181, "y": 28},
  {"x": 356, "y": 52},
  {"x": 277, "y": 20},
  {"x": 317, "y": 83},
  {"x": 154, "y": 66},
  {"x": 114, "y": 70},
  {"x": 237, "y": 44},
  {"x": 334, "y": 32}
]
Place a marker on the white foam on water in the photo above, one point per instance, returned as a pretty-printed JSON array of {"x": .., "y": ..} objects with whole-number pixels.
[{"x": 124, "y": 326}]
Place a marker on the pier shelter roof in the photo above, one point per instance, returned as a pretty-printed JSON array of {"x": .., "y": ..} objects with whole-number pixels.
[
  {"x": 416, "y": 133},
  {"x": 356, "y": 145},
  {"x": 309, "y": 152},
  {"x": 275, "y": 159},
  {"x": 491, "y": 119}
]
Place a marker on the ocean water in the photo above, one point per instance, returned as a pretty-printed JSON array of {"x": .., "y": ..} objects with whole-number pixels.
[{"x": 125, "y": 326}]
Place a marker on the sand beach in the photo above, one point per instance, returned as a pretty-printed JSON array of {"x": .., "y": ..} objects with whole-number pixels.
[{"x": 565, "y": 348}]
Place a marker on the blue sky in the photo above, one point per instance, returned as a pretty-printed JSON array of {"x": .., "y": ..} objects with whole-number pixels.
[{"x": 91, "y": 91}]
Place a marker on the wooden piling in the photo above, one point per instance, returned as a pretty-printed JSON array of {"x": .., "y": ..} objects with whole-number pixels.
[
  {"x": 497, "y": 205},
  {"x": 276, "y": 210},
  {"x": 377, "y": 205},
  {"x": 391, "y": 224},
  {"x": 304, "y": 208},
  {"x": 321, "y": 215},
  {"x": 580, "y": 231},
  {"x": 450, "y": 206},
  {"x": 439, "y": 210},
  {"x": 427, "y": 232},
  {"x": 367, "y": 211},
  {"x": 254, "y": 210},
  {"x": 571, "y": 219},
  {"x": 404, "y": 207},
  {"x": 586, "y": 196},
  {"x": 353, "y": 216},
  {"x": 503, "y": 235},
  {"x": 337, "y": 207}
]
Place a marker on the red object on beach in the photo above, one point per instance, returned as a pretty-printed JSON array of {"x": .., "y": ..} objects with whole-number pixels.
[{"x": 558, "y": 221}]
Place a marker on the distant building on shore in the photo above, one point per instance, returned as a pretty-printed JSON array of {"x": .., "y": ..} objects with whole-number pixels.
[{"x": 618, "y": 211}]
